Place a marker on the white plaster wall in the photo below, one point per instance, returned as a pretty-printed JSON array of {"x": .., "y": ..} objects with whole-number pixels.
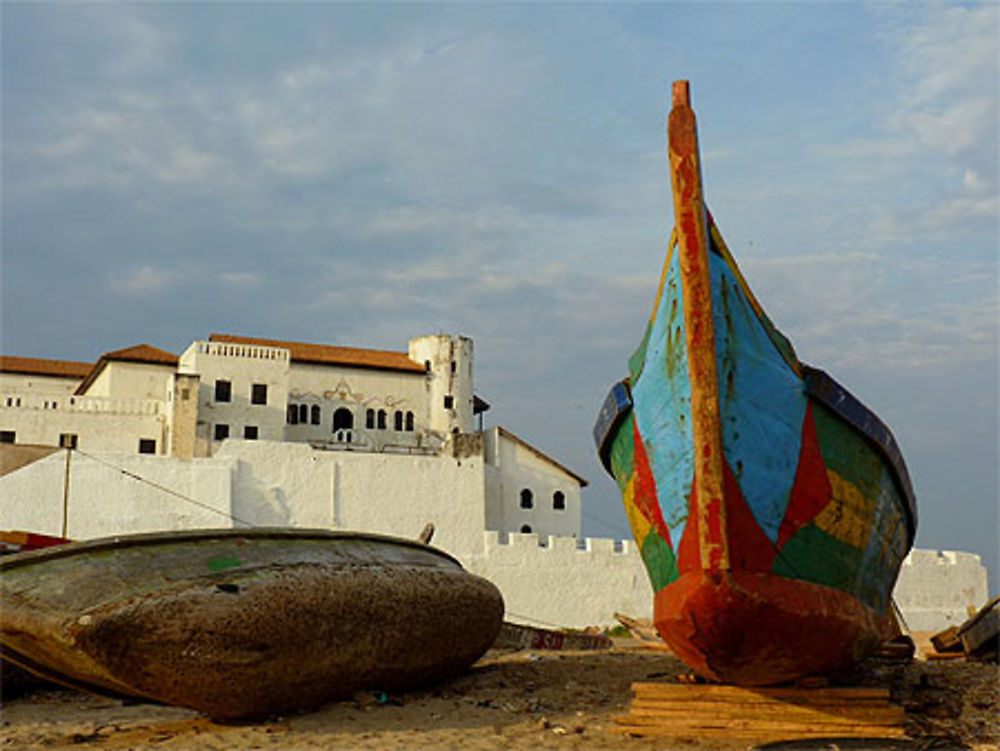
[
  {"x": 936, "y": 590},
  {"x": 450, "y": 375},
  {"x": 99, "y": 424},
  {"x": 135, "y": 380},
  {"x": 518, "y": 468},
  {"x": 359, "y": 389},
  {"x": 242, "y": 365},
  {"x": 39, "y": 384},
  {"x": 105, "y": 498},
  {"x": 561, "y": 585}
]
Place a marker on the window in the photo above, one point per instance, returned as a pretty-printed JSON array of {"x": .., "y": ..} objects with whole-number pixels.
[
  {"x": 398, "y": 420},
  {"x": 449, "y": 402},
  {"x": 559, "y": 501},
  {"x": 409, "y": 421},
  {"x": 250, "y": 432},
  {"x": 526, "y": 529},
  {"x": 221, "y": 431},
  {"x": 68, "y": 440},
  {"x": 293, "y": 414},
  {"x": 223, "y": 391},
  {"x": 315, "y": 414},
  {"x": 343, "y": 419},
  {"x": 147, "y": 446},
  {"x": 370, "y": 419},
  {"x": 7, "y": 436},
  {"x": 454, "y": 367},
  {"x": 258, "y": 393},
  {"x": 381, "y": 419},
  {"x": 527, "y": 499},
  {"x": 304, "y": 414}
]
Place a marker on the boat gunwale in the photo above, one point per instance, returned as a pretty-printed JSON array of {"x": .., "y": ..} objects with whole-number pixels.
[{"x": 141, "y": 539}]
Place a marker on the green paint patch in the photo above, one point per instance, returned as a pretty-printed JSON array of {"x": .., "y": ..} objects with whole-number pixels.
[
  {"x": 638, "y": 359},
  {"x": 661, "y": 563},
  {"x": 847, "y": 453},
  {"x": 813, "y": 555},
  {"x": 623, "y": 452},
  {"x": 223, "y": 562}
]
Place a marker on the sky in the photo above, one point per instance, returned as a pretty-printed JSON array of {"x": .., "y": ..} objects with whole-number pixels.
[{"x": 361, "y": 174}]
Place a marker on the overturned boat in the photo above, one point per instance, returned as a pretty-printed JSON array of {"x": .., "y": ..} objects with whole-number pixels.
[
  {"x": 244, "y": 622},
  {"x": 771, "y": 507}
]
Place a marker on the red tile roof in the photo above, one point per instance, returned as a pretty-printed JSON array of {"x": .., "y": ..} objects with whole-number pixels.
[
  {"x": 143, "y": 353},
  {"x": 325, "y": 354},
  {"x": 43, "y": 367}
]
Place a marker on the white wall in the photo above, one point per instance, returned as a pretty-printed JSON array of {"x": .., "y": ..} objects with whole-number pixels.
[
  {"x": 935, "y": 590},
  {"x": 513, "y": 468},
  {"x": 37, "y": 384},
  {"x": 265, "y": 483}
]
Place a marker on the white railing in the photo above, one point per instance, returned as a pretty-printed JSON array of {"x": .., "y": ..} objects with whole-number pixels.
[
  {"x": 71, "y": 403},
  {"x": 248, "y": 351}
]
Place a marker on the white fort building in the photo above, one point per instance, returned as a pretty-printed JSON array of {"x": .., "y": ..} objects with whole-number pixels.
[{"x": 239, "y": 431}]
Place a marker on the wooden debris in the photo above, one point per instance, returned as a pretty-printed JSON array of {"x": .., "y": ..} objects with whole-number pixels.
[
  {"x": 980, "y": 634},
  {"x": 760, "y": 714},
  {"x": 517, "y": 636},
  {"x": 643, "y": 631},
  {"x": 947, "y": 640}
]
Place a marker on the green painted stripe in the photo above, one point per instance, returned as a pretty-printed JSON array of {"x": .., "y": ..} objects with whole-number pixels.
[
  {"x": 813, "y": 555},
  {"x": 847, "y": 452},
  {"x": 661, "y": 563}
]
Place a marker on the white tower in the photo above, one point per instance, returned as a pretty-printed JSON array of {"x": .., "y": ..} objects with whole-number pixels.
[{"x": 448, "y": 360}]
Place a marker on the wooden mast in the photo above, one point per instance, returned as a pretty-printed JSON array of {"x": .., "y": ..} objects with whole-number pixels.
[{"x": 707, "y": 508}]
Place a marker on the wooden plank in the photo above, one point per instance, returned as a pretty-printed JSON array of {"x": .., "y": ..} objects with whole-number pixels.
[
  {"x": 756, "y": 725},
  {"x": 710, "y": 692},
  {"x": 886, "y": 714},
  {"x": 947, "y": 640},
  {"x": 755, "y": 735}
]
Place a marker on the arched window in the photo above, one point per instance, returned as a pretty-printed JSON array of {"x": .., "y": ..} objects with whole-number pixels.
[
  {"x": 381, "y": 419},
  {"x": 409, "y": 421},
  {"x": 526, "y": 529},
  {"x": 293, "y": 414},
  {"x": 315, "y": 414},
  {"x": 559, "y": 501},
  {"x": 304, "y": 414},
  {"x": 343, "y": 419},
  {"x": 370, "y": 419},
  {"x": 397, "y": 420},
  {"x": 527, "y": 499}
]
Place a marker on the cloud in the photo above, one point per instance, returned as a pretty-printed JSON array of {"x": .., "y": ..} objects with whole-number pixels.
[
  {"x": 141, "y": 281},
  {"x": 241, "y": 279}
]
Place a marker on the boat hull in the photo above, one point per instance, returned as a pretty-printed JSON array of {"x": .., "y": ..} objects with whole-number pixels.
[
  {"x": 771, "y": 508},
  {"x": 240, "y": 623}
]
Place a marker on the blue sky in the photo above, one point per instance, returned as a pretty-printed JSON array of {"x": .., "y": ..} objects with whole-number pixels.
[{"x": 359, "y": 174}]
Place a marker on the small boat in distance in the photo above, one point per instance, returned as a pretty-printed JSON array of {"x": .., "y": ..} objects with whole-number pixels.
[
  {"x": 772, "y": 508},
  {"x": 244, "y": 622}
]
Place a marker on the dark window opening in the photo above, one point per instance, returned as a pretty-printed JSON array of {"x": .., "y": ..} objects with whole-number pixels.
[
  {"x": 449, "y": 402},
  {"x": 68, "y": 440},
  {"x": 381, "y": 419},
  {"x": 427, "y": 365},
  {"x": 370, "y": 419},
  {"x": 527, "y": 499},
  {"x": 147, "y": 446},
  {"x": 304, "y": 414},
  {"x": 258, "y": 393},
  {"x": 398, "y": 420},
  {"x": 409, "y": 421},
  {"x": 8, "y": 436},
  {"x": 526, "y": 529},
  {"x": 315, "y": 414},
  {"x": 293, "y": 414},
  {"x": 223, "y": 391},
  {"x": 343, "y": 419},
  {"x": 559, "y": 501},
  {"x": 454, "y": 367},
  {"x": 250, "y": 432},
  {"x": 221, "y": 432}
]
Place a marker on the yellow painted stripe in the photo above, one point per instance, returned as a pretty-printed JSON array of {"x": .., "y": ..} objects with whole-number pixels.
[
  {"x": 848, "y": 515},
  {"x": 636, "y": 519}
]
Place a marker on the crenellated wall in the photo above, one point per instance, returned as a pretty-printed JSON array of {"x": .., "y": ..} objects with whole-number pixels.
[{"x": 936, "y": 590}]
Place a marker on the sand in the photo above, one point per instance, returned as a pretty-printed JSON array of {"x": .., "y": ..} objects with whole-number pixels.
[{"x": 512, "y": 700}]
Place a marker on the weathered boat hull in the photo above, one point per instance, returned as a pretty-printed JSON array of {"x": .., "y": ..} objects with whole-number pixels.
[
  {"x": 771, "y": 508},
  {"x": 238, "y": 623}
]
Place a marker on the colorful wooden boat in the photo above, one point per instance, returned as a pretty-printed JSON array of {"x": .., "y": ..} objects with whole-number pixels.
[
  {"x": 771, "y": 507},
  {"x": 244, "y": 622}
]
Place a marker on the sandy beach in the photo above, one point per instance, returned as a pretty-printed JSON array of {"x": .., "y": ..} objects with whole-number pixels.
[{"x": 509, "y": 700}]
